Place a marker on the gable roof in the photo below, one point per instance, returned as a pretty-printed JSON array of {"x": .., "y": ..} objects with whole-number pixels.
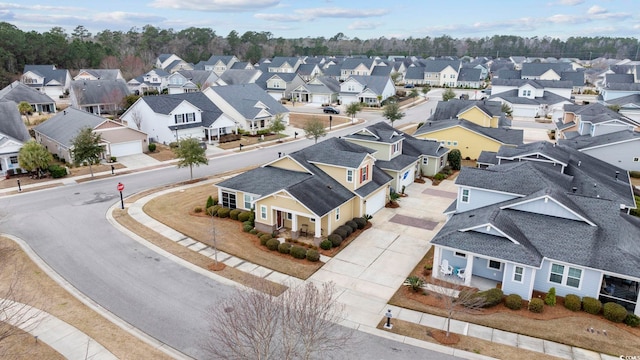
[
  {"x": 88, "y": 92},
  {"x": 48, "y": 72},
  {"x": 376, "y": 84},
  {"x": 11, "y": 123},
  {"x": 164, "y": 104},
  {"x": 352, "y": 63},
  {"x": 452, "y": 108},
  {"x": 244, "y": 97},
  {"x": 103, "y": 74},
  {"x": 469, "y": 74},
  {"x": 240, "y": 76},
  {"x": 537, "y": 69},
  {"x": 502, "y": 135},
  {"x": 65, "y": 125},
  {"x": 17, "y": 92},
  {"x": 584, "y": 142}
]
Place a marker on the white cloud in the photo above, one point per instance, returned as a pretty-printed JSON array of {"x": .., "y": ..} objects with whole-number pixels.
[
  {"x": 315, "y": 13},
  {"x": 13, "y": 6},
  {"x": 363, "y": 25},
  {"x": 124, "y": 17},
  {"x": 562, "y": 19},
  {"x": 570, "y": 2},
  {"x": 595, "y": 9},
  {"x": 216, "y": 5},
  {"x": 280, "y": 17}
]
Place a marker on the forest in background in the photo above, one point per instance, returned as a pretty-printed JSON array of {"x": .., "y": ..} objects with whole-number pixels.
[{"x": 135, "y": 51}]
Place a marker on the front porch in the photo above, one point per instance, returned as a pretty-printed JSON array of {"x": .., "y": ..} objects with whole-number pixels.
[{"x": 619, "y": 290}]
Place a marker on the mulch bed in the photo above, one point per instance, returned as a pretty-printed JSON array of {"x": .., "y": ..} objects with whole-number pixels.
[{"x": 441, "y": 337}]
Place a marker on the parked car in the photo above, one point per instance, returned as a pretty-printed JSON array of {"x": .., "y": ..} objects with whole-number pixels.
[
  {"x": 330, "y": 110},
  {"x": 409, "y": 86}
]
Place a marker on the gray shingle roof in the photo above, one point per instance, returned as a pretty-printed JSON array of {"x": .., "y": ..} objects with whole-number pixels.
[
  {"x": 237, "y": 77},
  {"x": 537, "y": 69},
  {"x": 512, "y": 97},
  {"x": 507, "y": 74},
  {"x": 352, "y": 63},
  {"x": 588, "y": 141},
  {"x": 503, "y": 135},
  {"x": 17, "y": 92},
  {"x": 576, "y": 77},
  {"x": 90, "y": 92},
  {"x": 626, "y": 100},
  {"x": 619, "y": 78},
  {"x": 439, "y": 65},
  {"x": 469, "y": 74},
  {"x": 65, "y": 125},
  {"x": 244, "y": 97},
  {"x": 164, "y": 104},
  {"x": 11, "y": 123},
  {"x": 103, "y": 74},
  {"x": 623, "y": 87},
  {"x": 49, "y": 72},
  {"x": 374, "y": 83},
  {"x": 450, "y": 109}
]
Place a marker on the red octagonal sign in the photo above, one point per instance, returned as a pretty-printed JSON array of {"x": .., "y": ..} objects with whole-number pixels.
[{"x": 120, "y": 186}]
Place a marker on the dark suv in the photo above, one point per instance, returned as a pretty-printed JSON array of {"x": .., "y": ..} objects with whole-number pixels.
[{"x": 330, "y": 110}]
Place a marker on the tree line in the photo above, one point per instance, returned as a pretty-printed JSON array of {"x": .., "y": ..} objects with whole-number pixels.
[{"x": 134, "y": 51}]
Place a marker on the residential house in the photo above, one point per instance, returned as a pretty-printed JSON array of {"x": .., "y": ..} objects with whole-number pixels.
[
  {"x": 19, "y": 92},
  {"x": 99, "y": 74},
  {"x": 57, "y": 134},
  {"x": 308, "y": 72},
  {"x": 399, "y": 154},
  {"x": 248, "y": 105},
  {"x": 544, "y": 216},
  {"x": 311, "y": 191},
  {"x": 577, "y": 78},
  {"x": 544, "y": 71},
  {"x": 529, "y": 99},
  {"x": 629, "y": 106},
  {"x": 154, "y": 81},
  {"x": 242, "y": 65},
  {"x": 164, "y": 60},
  {"x": 13, "y": 134},
  {"x": 356, "y": 67},
  {"x": 185, "y": 81},
  {"x": 614, "y": 91},
  {"x": 217, "y": 63},
  {"x": 470, "y": 126},
  {"x": 369, "y": 90},
  {"x": 320, "y": 90},
  {"x": 98, "y": 96},
  {"x": 279, "y": 84},
  {"x": 168, "y": 118},
  {"x": 591, "y": 119},
  {"x": 441, "y": 72},
  {"x": 282, "y": 64},
  {"x": 470, "y": 78},
  {"x": 47, "y": 79}
]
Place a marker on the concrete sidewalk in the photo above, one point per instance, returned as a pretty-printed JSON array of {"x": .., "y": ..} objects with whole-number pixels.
[{"x": 369, "y": 271}]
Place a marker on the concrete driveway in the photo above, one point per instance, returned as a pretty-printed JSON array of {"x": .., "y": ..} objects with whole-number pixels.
[
  {"x": 369, "y": 271},
  {"x": 138, "y": 161}
]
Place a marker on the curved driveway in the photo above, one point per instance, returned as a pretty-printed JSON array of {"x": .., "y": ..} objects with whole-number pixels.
[{"x": 67, "y": 228}]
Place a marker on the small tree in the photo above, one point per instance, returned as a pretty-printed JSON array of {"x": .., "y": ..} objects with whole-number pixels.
[
  {"x": 413, "y": 94},
  {"x": 353, "y": 109},
  {"x": 392, "y": 112},
  {"x": 136, "y": 117},
  {"x": 550, "y": 298},
  {"x": 425, "y": 90},
  {"x": 34, "y": 156},
  {"x": 458, "y": 298},
  {"x": 190, "y": 153},
  {"x": 86, "y": 147},
  {"x": 314, "y": 129},
  {"x": 455, "y": 159},
  {"x": 505, "y": 108},
  {"x": 25, "y": 109},
  {"x": 277, "y": 125},
  {"x": 256, "y": 323},
  {"x": 448, "y": 94},
  {"x": 395, "y": 76}
]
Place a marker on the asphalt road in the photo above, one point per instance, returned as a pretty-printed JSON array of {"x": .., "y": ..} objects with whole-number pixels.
[{"x": 67, "y": 228}]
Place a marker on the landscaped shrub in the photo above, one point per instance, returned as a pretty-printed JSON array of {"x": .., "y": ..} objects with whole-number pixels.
[
  {"x": 284, "y": 248},
  {"x": 591, "y": 305},
  {"x": 513, "y": 302},
  {"x": 362, "y": 222},
  {"x": 335, "y": 239},
  {"x": 224, "y": 212},
  {"x": 272, "y": 244},
  {"x": 632, "y": 320},
  {"x": 56, "y": 171},
  {"x": 634, "y": 174},
  {"x": 209, "y": 202},
  {"x": 415, "y": 283},
  {"x": 253, "y": 231},
  {"x": 325, "y": 245},
  {"x": 233, "y": 214},
  {"x": 313, "y": 255},
  {"x": 572, "y": 302},
  {"x": 439, "y": 176},
  {"x": 352, "y": 224},
  {"x": 491, "y": 297},
  {"x": 455, "y": 159},
  {"x": 298, "y": 252},
  {"x": 346, "y": 228},
  {"x": 197, "y": 209},
  {"x": 550, "y": 299},
  {"x": 213, "y": 210},
  {"x": 341, "y": 232},
  {"x": 247, "y": 227},
  {"x": 266, "y": 237},
  {"x": 152, "y": 147},
  {"x": 536, "y": 305},
  {"x": 614, "y": 312},
  {"x": 245, "y": 216}
]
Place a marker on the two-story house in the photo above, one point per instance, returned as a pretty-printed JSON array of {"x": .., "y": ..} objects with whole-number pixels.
[
  {"x": 185, "y": 81},
  {"x": 217, "y": 63},
  {"x": 99, "y": 74},
  {"x": 47, "y": 79},
  {"x": 284, "y": 64},
  {"x": 168, "y": 118},
  {"x": 529, "y": 99},
  {"x": 441, "y": 72},
  {"x": 356, "y": 67},
  {"x": 544, "y": 71},
  {"x": 470, "y": 126},
  {"x": 248, "y": 105},
  {"x": 543, "y": 216},
  {"x": 13, "y": 134},
  {"x": 154, "y": 81},
  {"x": 369, "y": 90},
  {"x": 319, "y": 188},
  {"x": 279, "y": 84},
  {"x": 320, "y": 90},
  {"x": 400, "y": 155}
]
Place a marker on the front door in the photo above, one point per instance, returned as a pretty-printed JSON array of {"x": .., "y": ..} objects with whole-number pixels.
[{"x": 279, "y": 219}]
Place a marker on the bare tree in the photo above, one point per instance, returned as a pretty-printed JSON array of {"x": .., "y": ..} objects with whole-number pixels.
[
  {"x": 137, "y": 118},
  {"x": 301, "y": 323},
  {"x": 457, "y": 298}
]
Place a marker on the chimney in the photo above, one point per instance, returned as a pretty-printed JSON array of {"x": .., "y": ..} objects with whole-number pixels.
[{"x": 574, "y": 189}]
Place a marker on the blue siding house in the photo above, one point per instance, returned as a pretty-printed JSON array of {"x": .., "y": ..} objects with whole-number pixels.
[{"x": 542, "y": 216}]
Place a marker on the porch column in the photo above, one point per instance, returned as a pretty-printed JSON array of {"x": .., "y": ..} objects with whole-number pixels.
[
  {"x": 636, "y": 311},
  {"x": 218, "y": 135},
  {"x": 468, "y": 270},
  {"x": 317, "y": 235},
  {"x": 294, "y": 227},
  {"x": 209, "y": 135},
  {"x": 437, "y": 254}
]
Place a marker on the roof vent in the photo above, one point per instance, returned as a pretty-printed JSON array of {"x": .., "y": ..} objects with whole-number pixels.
[
  {"x": 579, "y": 163},
  {"x": 574, "y": 189},
  {"x": 617, "y": 173}
]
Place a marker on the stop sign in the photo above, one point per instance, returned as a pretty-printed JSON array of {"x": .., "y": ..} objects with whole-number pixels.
[{"x": 120, "y": 186}]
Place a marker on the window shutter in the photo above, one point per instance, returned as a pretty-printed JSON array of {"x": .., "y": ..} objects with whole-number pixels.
[{"x": 361, "y": 175}]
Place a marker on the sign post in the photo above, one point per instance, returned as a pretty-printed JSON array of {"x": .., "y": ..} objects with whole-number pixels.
[{"x": 120, "y": 189}]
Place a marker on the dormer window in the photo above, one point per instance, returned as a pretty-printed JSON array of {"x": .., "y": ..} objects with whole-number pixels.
[
  {"x": 364, "y": 173},
  {"x": 395, "y": 148}
]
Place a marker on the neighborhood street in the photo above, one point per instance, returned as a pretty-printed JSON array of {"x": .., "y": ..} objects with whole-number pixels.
[{"x": 67, "y": 227}]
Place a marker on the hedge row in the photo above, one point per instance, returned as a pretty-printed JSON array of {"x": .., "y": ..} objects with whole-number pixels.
[
  {"x": 336, "y": 238},
  {"x": 297, "y": 251}
]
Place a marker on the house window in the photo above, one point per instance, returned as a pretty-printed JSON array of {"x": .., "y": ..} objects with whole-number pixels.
[
  {"x": 289, "y": 216},
  {"x": 573, "y": 277},
  {"x": 518, "y": 271},
  {"x": 460, "y": 254},
  {"x": 263, "y": 212},
  {"x": 337, "y": 214},
  {"x": 442, "y": 161},
  {"x": 229, "y": 200},
  {"x": 395, "y": 148},
  {"x": 191, "y": 117},
  {"x": 635, "y": 159},
  {"x": 349, "y": 176},
  {"x": 455, "y": 143},
  {"x": 312, "y": 220},
  {"x": 425, "y": 161},
  {"x": 248, "y": 199},
  {"x": 495, "y": 265},
  {"x": 13, "y": 160},
  {"x": 465, "y": 195},
  {"x": 557, "y": 273},
  {"x": 179, "y": 118},
  {"x": 364, "y": 174}
]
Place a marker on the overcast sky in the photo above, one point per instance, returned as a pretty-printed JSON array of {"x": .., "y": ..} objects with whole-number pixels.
[{"x": 364, "y": 19}]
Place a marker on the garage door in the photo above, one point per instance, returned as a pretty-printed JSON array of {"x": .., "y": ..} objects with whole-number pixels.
[
  {"x": 406, "y": 178},
  {"x": 126, "y": 148},
  {"x": 524, "y": 111},
  {"x": 375, "y": 202}
]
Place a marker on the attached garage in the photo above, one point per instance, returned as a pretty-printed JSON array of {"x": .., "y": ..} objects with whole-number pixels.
[
  {"x": 126, "y": 148},
  {"x": 526, "y": 111},
  {"x": 376, "y": 201},
  {"x": 406, "y": 178}
]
